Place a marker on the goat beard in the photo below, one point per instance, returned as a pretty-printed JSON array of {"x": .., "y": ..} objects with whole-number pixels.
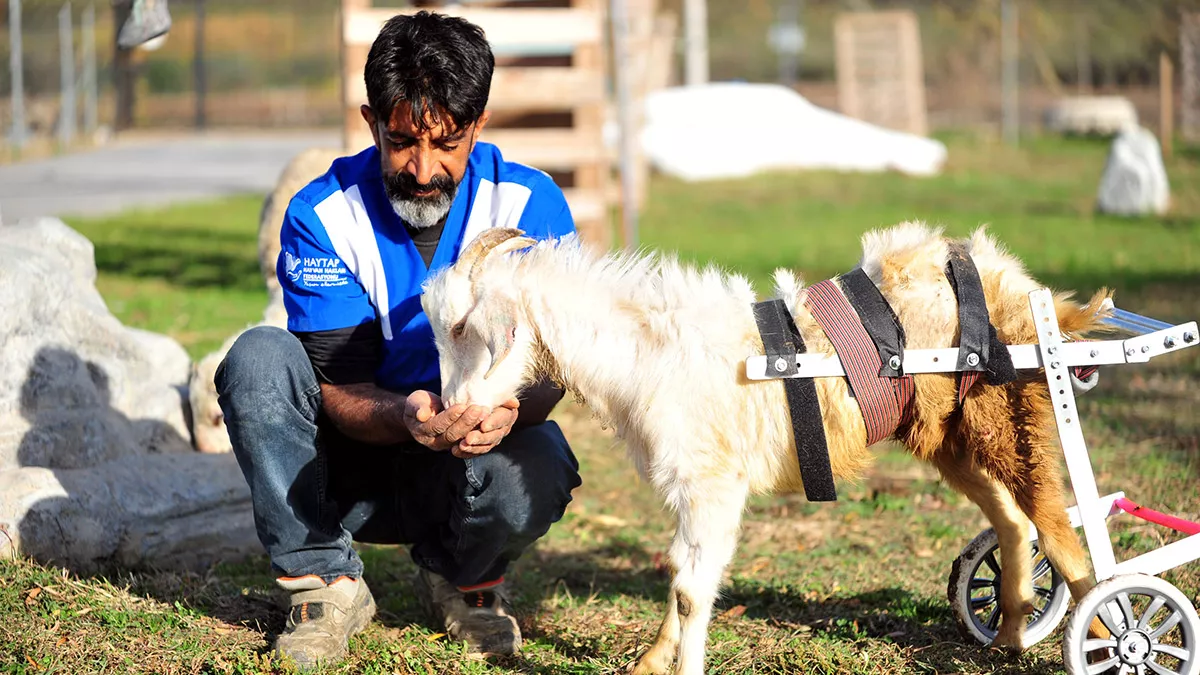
[{"x": 420, "y": 212}]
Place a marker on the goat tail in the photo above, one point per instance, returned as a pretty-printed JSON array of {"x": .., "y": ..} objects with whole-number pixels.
[{"x": 1077, "y": 320}]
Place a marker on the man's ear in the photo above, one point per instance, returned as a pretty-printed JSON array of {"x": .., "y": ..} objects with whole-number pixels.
[
  {"x": 480, "y": 124},
  {"x": 369, "y": 116}
]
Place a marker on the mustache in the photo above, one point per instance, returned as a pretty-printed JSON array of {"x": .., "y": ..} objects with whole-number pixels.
[{"x": 404, "y": 186}]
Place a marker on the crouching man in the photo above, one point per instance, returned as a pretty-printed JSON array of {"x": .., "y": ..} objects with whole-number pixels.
[{"x": 336, "y": 422}]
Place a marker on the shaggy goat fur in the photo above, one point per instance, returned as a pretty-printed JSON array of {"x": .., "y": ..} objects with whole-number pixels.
[{"x": 658, "y": 349}]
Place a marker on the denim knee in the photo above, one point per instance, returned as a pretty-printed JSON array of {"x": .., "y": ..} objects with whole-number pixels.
[
  {"x": 265, "y": 364},
  {"x": 526, "y": 481}
]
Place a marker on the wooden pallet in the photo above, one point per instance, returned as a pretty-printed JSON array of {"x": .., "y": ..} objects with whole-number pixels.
[
  {"x": 880, "y": 75},
  {"x": 1189, "y": 62}
]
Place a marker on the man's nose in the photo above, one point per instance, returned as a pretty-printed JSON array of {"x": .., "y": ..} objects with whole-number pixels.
[{"x": 422, "y": 165}]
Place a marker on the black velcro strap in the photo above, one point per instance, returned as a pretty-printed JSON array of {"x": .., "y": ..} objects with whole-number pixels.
[
  {"x": 977, "y": 335},
  {"x": 878, "y": 318},
  {"x": 781, "y": 340}
]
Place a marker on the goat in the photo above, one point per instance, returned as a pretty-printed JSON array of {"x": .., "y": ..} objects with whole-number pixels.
[{"x": 657, "y": 350}]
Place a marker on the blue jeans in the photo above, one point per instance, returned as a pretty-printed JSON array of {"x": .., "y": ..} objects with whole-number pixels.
[{"x": 315, "y": 490}]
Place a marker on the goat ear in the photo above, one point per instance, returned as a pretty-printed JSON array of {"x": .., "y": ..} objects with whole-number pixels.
[{"x": 501, "y": 332}]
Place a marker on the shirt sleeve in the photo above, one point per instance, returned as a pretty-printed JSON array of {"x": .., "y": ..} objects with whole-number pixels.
[
  {"x": 319, "y": 290},
  {"x": 547, "y": 214}
]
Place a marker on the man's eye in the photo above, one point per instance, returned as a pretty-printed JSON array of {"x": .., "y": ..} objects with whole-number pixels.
[{"x": 449, "y": 148}]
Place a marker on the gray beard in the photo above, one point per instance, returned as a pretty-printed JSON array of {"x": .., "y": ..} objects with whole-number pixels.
[{"x": 423, "y": 213}]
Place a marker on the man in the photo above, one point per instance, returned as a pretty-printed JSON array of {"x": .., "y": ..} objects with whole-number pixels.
[{"x": 336, "y": 422}]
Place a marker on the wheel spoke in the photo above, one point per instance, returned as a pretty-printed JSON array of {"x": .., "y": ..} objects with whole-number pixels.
[
  {"x": 1036, "y": 614},
  {"x": 1170, "y": 650},
  {"x": 1126, "y": 609},
  {"x": 991, "y": 562},
  {"x": 994, "y": 620},
  {"x": 1160, "y": 669},
  {"x": 1046, "y": 593},
  {"x": 1097, "y": 668},
  {"x": 1109, "y": 622},
  {"x": 1167, "y": 625},
  {"x": 1094, "y": 644},
  {"x": 980, "y": 603},
  {"x": 1151, "y": 611},
  {"x": 979, "y": 582},
  {"x": 1042, "y": 569}
]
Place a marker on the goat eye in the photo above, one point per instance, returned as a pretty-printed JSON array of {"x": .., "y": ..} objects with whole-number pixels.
[{"x": 458, "y": 328}]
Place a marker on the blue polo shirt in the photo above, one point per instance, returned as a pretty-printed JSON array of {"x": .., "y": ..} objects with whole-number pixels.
[{"x": 346, "y": 258}]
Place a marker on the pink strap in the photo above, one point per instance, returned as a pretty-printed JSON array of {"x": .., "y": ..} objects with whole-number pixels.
[
  {"x": 883, "y": 404},
  {"x": 1178, "y": 524}
]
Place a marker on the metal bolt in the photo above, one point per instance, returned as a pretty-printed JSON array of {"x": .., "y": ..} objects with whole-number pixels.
[
  {"x": 780, "y": 364},
  {"x": 1189, "y": 337},
  {"x": 894, "y": 362},
  {"x": 1094, "y": 353},
  {"x": 1130, "y": 352},
  {"x": 1145, "y": 348},
  {"x": 1053, "y": 350},
  {"x": 1169, "y": 343},
  {"x": 972, "y": 359},
  {"x": 1054, "y": 364}
]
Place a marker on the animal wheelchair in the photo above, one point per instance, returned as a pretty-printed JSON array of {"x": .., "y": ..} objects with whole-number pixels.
[{"x": 1154, "y": 626}]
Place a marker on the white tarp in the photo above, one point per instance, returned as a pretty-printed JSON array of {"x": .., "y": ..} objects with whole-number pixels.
[{"x": 734, "y": 130}]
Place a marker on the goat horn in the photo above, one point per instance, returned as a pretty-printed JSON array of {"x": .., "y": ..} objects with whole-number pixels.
[{"x": 505, "y": 239}]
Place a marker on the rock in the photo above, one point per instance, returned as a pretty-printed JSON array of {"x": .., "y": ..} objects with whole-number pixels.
[
  {"x": 162, "y": 511},
  {"x": 300, "y": 171},
  {"x": 1104, "y": 115},
  {"x": 96, "y": 459},
  {"x": 1134, "y": 181},
  {"x": 208, "y": 422}
]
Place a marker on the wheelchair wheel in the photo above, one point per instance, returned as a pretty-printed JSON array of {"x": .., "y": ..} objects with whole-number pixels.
[
  {"x": 974, "y": 592},
  {"x": 1153, "y": 624}
]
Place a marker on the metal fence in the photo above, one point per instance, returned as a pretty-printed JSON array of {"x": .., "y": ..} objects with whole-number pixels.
[{"x": 274, "y": 63}]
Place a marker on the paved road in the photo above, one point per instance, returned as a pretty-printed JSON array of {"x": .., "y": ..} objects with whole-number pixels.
[{"x": 151, "y": 171}]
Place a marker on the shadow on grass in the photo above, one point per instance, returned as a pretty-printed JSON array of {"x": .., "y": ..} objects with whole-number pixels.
[
  {"x": 199, "y": 266},
  {"x": 603, "y": 576}
]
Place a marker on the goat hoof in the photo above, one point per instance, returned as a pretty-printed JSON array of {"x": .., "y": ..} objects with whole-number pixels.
[
  {"x": 1007, "y": 641},
  {"x": 648, "y": 665}
]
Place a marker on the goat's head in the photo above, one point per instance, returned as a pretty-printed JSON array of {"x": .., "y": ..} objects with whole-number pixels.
[{"x": 483, "y": 339}]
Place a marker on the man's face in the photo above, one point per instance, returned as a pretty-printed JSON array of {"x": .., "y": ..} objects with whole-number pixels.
[{"x": 422, "y": 167}]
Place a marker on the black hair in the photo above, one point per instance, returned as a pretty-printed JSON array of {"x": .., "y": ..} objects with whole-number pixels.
[{"x": 438, "y": 64}]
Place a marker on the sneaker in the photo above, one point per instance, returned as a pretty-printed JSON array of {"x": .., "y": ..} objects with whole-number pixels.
[
  {"x": 321, "y": 618},
  {"x": 480, "y": 615},
  {"x": 147, "y": 20}
]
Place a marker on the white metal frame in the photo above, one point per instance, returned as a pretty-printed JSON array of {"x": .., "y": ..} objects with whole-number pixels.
[{"x": 1091, "y": 511}]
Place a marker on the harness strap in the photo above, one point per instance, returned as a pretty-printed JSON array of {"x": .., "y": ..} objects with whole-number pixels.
[
  {"x": 782, "y": 342},
  {"x": 878, "y": 318},
  {"x": 880, "y": 402},
  {"x": 979, "y": 349}
]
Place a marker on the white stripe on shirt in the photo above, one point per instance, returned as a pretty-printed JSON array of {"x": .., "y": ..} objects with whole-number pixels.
[
  {"x": 353, "y": 237},
  {"x": 495, "y": 206}
]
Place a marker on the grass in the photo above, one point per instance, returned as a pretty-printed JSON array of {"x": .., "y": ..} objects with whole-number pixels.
[{"x": 857, "y": 586}]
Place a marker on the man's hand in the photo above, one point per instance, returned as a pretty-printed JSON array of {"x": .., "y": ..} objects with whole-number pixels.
[
  {"x": 490, "y": 432},
  {"x": 437, "y": 428}
]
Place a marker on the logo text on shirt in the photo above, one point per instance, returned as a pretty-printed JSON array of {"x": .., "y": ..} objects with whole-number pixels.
[{"x": 316, "y": 272}]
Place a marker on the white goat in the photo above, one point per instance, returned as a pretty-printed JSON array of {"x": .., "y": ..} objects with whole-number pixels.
[{"x": 657, "y": 350}]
